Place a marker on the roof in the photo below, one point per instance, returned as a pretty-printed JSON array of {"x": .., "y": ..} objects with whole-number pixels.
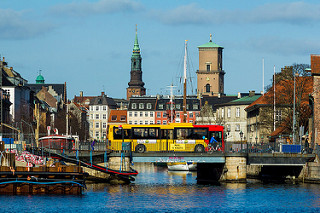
[
  {"x": 210, "y": 44},
  {"x": 58, "y": 88},
  {"x": 215, "y": 101},
  {"x": 103, "y": 100},
  {"x": 116, "y": 115},
  {"x": 245, "y": 100}
]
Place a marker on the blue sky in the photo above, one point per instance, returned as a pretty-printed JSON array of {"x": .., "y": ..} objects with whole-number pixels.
[{"x": 88, "y": 43}]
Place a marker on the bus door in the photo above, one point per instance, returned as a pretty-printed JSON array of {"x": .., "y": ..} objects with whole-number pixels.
[
  {"x": 119, "y": 135},
  {"x": 216, "y": 141},
  {"x": 183, "y": 140},
  {"x": 166, "y": 139},
  {"x": 146, "y": 139}
]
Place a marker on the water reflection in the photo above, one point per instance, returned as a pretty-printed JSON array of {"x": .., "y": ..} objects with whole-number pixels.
[{"x": 157, "y": 189}]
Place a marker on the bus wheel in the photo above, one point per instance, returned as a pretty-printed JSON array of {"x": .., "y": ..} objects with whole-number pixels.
[
  {"x": 199, "y": 148},
  {"x": 140, "y": 148}
]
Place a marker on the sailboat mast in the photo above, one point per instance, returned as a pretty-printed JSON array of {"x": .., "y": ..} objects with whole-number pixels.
[{"x": 185, "y": 84}]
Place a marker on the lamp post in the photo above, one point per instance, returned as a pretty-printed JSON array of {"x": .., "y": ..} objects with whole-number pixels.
[
  {"x": 241, "y": 135},
  {"x": 256, "y": 141}
]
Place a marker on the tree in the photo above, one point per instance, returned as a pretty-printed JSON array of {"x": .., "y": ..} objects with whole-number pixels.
[{"x": 284, "y": 95}]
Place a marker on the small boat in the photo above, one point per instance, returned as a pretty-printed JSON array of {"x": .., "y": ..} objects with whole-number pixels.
[{"x": 182, "y": 166}]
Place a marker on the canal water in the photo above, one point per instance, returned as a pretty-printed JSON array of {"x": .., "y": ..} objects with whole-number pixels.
[{"x": 158, "y": 190}]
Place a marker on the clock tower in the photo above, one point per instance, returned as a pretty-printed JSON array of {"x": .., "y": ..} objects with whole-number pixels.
[
  {"x": 210, "y": 76},
  {"x": 136, "y": 84}
]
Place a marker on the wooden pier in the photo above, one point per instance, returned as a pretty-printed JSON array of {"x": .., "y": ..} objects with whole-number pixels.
[{"x": 42, "y": 180}]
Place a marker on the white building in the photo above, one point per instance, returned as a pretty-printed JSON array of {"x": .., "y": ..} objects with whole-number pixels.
[{"x": 99, "y": 110}]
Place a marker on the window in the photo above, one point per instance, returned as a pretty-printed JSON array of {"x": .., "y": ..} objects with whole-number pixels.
[
  {"x": 222, "y": 112},
  {"x": 191, "y": 115},
  {"x": 187, "y": 106},
  {"x": 91, "y": 125},
  {"x": 135, "y": 114},
  {"x": 97, "y": 125},
  {"x": 97, "y": 134},
  {"x": 141, "y": 105},
  {"x": 237, "y": 127},
  {"x": 164, "y": 115},
  {"x": 178, "y": 106},
  {"x": 134, "y": 106},
  {"x": 164, "y": 122},
  {"x": 148, "y": 105},
  {"x": 104, "y": 108},
  {"x": 228, "y": 128},
  {"x": 141, "y": 114},
  {"x": 207, "y": 87},
  {"x": 135, "y": 122},
  {"x": 104, "y": 116},
  {"x": 197, "y": 114},
  {"x": 122, "y": 118},
  {"x": 208, "y": 67},
  {"x": 158, "y": 114},
  {"x": 104, "y": 125},
  {"x": 97, "y": 108},
  {"x": 104, "y": 134},
  {"x": 190, "y": 121},
  {"x": 145, "y": 133},
  {"x": 130, "y": 114},
  {"x": 229, "y": 113},
  {"x": 151, "y": 114},
  {"x": 278, "y": 115},
  {"x": 160, "y": 106},
  {"x": 145, "y": 114},
  {"x": 145, "y": 122},
  {"x": 91, "y": 116},
  {"x": 151, "y": 122},
  {"x": 130, "y": 122},
  {"x": 238, "y": 112},
  {"x": 158, "y": 122},
  {"x": 97, "y": 116},
  {"x": 113, "y": 117},
  {"x": 90, "y": 108},
  {"x": 177, "y": 115},
  {"x": 195, "y": 106},
  {"x": 141, "y": 122}
]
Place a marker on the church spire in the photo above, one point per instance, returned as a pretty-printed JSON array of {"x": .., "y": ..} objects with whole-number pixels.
[{"x": 136, "y": 48}]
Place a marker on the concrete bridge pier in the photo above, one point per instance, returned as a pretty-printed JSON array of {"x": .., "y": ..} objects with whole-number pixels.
[
  {"x": 233, "y": 170},
  {"x": 116, "y": 163}
]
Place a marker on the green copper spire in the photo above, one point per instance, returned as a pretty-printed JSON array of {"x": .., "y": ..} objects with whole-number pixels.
[
  {"x": 40, "y": 78},
  {"x": 136, "y": 48}
]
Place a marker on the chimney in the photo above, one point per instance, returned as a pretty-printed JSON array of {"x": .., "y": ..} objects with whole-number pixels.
[
  {"x": 102, "y": 93},
  {"x": 239, "y": 95},
  {"x": 81, "y": 93},
  {"x": 252, "y": 93}
]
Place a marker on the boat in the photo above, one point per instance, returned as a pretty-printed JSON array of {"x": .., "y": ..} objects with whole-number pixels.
[
  {"x": 182, "y": 166},
  {"x": 57, "y": 142}
]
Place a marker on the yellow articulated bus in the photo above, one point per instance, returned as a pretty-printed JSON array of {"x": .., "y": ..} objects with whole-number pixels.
[{"x": 184, "y": 137}]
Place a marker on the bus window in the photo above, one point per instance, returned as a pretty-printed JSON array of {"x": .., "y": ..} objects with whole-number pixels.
[
  {"x": 183, "y": 133},
  {"x": 145, "y": 133},
  {"x": 198, "y": 133},
  {"x": 117, "y": 133},
  {"x": 167, "y": 134}
]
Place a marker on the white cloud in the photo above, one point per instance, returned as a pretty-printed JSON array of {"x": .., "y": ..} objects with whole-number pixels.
[
  {"x": 93, "y": 8},
  {"x": 15, "y": 25},
  {"x": 293, "y": 13}
]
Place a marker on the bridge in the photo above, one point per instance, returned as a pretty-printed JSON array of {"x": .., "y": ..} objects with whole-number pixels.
[{"x": 230, "y": 166}]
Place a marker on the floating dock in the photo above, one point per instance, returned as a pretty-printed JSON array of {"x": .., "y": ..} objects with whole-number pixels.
[{"x": 42, "y": 180}]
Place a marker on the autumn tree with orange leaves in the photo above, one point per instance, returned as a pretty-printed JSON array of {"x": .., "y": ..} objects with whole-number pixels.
[{"x": 284, "y": 97}]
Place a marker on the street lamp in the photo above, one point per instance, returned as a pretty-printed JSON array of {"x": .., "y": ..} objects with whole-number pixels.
[
  {"x": 294, "y": 109},
  {"x": 256, "y": 141},
  {"x": 241, "y": 135}
]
